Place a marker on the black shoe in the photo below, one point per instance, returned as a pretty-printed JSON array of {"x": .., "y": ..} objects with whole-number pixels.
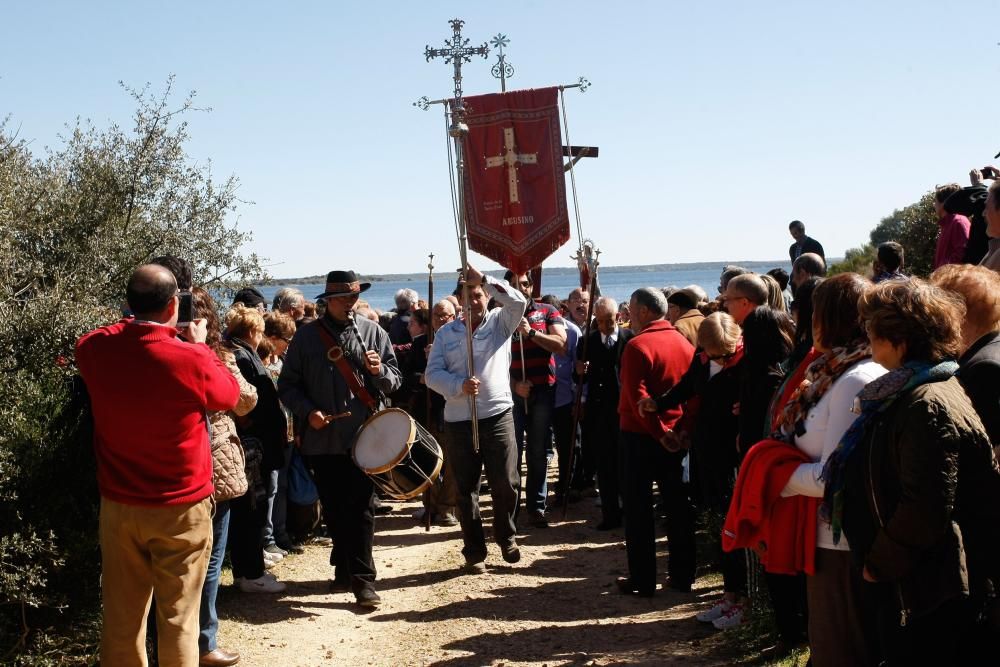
[
  {"x": 474, "y": 567},
  {"x": 510, "y": 551},
  {"x": 626, "y": 586},
  {"x": 381, "y": 507},
  {"x": 608, "y": 525},
  {"x": 679, "y": 586},
  {"x": 339, "y": 585},
  {"x": 367, "y": 597},
  {"x": 291, "y": 548},
  {"x": 538, "y": 520}
]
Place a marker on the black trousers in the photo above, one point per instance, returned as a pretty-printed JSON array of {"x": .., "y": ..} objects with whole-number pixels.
[
  {"x": 247, "y": 515},
  {"x": 600, "y": 436},
  {"x": 642, "y": 460},
  {"x": 788, "y": 600},
  {"x": 498, "y": 456},
  {"x": 347, "y": 496}
]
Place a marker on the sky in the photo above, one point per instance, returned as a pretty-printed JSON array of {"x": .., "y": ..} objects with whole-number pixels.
[{"x": 717, "y": 122}]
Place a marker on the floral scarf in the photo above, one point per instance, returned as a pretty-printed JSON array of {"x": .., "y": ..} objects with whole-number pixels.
[
  {"x": 820, "y": 376},
  {"x": 874, "y": 400}
]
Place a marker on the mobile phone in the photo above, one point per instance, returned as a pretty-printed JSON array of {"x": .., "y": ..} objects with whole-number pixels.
[{"x": 184, "y": 315}]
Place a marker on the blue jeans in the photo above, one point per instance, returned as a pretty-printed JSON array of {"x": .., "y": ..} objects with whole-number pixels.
[
  {"x": 277, "y": 503},
  {"x": 209, "y": 619},
  {"x": 537, "y": 424}
]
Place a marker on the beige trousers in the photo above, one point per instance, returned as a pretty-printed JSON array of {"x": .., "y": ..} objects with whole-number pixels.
[{"x": 146, "y": 551}]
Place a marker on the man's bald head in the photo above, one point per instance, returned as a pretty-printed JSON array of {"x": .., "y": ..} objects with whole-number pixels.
[{"x": 151, "y": 288}]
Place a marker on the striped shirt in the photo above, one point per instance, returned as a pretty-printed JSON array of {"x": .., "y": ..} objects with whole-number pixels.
[{"x": 540, "y": 365}]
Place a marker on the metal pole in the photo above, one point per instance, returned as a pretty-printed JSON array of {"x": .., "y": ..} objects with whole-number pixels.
[
  {"x": 430, "y": 325},
  {"x": 459, "y": 129},
  {"x": 578, "y": 397}
]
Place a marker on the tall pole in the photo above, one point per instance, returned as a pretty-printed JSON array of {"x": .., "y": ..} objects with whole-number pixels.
[
  {"x": 430, "y": 324},
  {"x": 578, "y": 397},
  {"x": 456, "y": 52}
]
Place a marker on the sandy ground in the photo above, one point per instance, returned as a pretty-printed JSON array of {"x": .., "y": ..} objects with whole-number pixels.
[{"x": 558, "y": 606}]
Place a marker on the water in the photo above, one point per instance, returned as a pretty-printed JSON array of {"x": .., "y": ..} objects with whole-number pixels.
[{"x": 618, "y": 284}]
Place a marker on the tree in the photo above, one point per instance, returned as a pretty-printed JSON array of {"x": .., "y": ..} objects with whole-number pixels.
[{"x": 74, "y": 223}]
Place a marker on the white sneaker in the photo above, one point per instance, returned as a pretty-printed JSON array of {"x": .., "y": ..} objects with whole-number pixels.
[
  {"x": 718, "y": 610},
  {"x": 264, "y": 584},
  {"x": 731, "y": 619},
  {"x": 276, "y": 557}
]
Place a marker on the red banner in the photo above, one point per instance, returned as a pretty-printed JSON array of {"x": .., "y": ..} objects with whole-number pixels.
[{"x": 515, "y": 192}]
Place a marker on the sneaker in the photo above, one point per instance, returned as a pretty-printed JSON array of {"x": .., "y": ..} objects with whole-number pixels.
[
  {"x": 263, "y": 584},
  {"x": 731, "y": 619},
  {"x": 275, "y": 550},
  {"x": 510, "y": 551},
  {"x": 268, "y": 563},
  {"x": 717, "y": 610},
  {"x": 291, "y": 547},
  {"x": 274, "y": 558}
]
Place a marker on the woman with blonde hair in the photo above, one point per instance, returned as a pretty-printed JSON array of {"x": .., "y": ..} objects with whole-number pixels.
[{"x": 263, "y": 433}]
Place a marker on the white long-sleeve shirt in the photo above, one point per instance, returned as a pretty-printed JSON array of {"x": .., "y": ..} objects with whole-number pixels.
[
  {"x": 826, "y": 424},
  {"x": 448, "y": 366}
]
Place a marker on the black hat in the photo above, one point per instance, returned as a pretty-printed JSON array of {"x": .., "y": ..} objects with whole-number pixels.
[
  {"x": 343, "y": 283},
  {"x": 250, "y": 297}
]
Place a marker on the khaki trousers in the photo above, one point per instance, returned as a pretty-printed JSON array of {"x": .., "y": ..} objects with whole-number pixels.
[{"x": 146, "y": 551}]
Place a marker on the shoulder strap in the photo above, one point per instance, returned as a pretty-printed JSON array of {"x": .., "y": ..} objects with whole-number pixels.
[{"x": 335, "y": 353}]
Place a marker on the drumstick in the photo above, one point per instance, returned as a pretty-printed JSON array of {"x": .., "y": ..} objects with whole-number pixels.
[{"x": 339, "y": 415}]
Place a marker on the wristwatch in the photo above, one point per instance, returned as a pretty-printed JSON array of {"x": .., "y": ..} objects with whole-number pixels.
[{"x": 531, "y": 334}]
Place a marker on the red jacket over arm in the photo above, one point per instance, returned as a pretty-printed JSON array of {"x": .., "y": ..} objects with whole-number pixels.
[{"x": 150, "y": 393}]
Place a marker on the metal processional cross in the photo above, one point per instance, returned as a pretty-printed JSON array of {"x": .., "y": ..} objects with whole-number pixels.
[{"x": 456, "y": 52}]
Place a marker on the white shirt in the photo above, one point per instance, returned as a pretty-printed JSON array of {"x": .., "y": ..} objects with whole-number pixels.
[
  {"x": 448, "y": 365},
  {"x": 826, "y": 424}
]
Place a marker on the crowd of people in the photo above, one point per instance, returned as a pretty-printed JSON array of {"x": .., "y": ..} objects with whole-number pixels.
[{"x": 841, "y": 427}]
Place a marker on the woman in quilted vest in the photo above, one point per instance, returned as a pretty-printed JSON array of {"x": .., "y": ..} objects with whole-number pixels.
[{"x": 227, "y": 476}]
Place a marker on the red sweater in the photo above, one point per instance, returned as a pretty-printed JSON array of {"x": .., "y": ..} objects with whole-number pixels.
[
  {"x": 781, "y": 530},
  {"x": 150, "y": 393},
  {"x": 653, "y": 361}
]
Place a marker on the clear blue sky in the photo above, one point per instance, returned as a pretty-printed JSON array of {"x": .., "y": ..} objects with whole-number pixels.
[{"x": 718, "y": 122}]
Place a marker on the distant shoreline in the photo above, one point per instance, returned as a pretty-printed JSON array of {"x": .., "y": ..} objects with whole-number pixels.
[{"x": 556, "y": 271}]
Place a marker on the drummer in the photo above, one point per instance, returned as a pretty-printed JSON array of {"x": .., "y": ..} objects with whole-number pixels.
[
  {"x": 448, "y": 374},
  {"x": 336, "y": 373}
]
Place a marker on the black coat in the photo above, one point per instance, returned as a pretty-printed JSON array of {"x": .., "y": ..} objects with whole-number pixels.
[
  {"x": 922, "y": 482},
  {"x": 979, "y": 373},
  {"x": 757, "y": 388},
  {"x": 602, "y": 374},
  {"x": 714, "y": 459},
  {"x": 266, "y": 421},
  {"x": 808, "y": 245}
]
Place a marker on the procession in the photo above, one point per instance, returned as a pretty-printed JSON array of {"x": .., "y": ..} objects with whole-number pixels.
[{"x": 502, "y": 460}]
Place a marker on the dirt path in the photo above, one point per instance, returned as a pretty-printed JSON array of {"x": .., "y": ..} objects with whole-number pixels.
[{"x": 558, "y": 606}]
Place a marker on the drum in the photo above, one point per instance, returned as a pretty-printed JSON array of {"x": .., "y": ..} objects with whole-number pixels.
[{"x": 400, "y": 456}]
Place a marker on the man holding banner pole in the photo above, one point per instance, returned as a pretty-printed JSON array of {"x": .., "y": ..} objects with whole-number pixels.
[{"x": 489, "y": 387}]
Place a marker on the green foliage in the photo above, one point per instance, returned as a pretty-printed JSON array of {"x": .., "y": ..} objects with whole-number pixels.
[
  {"x": 74, "y": 223},
  {"x": 915, "y": 228},
  {"x": 856, "y": 260}
]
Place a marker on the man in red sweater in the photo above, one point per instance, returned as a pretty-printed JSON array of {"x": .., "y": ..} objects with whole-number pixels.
[
  {"x": 150, "y": 392},
  {"x": 653, "y": 362}
]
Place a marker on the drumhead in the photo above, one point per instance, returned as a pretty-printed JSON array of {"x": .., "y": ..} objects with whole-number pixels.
[{"x": 383, "y": 439}]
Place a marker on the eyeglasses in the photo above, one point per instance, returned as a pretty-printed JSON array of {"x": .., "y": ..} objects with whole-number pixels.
[
  {"x": 723, "y": 299},
  {"x": 720, "y": 357},
  {"x": 524, "y": 283},
  {"x": 287, "y": 340}
]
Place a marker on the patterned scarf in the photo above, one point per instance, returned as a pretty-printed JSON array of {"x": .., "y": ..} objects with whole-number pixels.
[
  {"x": 874, "y": 400},
  {"x": 822, "y": 373}
]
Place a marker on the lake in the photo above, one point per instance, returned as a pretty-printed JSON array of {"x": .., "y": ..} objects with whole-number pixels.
[{"x": 618, "y": 284}]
